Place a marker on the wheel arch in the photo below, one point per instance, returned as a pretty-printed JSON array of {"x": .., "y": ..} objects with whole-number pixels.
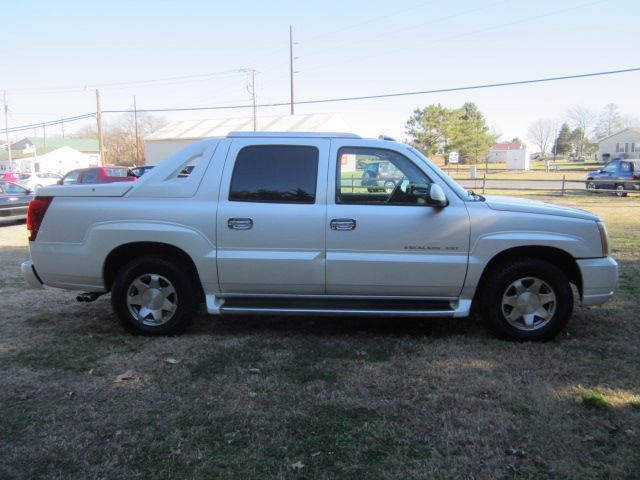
[
  {"x": 123, "y": 254},
  {"x": 563, "y": 260}
]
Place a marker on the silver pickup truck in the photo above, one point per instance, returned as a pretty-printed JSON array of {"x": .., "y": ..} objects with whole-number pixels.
[{"x": 280, "y": 223}]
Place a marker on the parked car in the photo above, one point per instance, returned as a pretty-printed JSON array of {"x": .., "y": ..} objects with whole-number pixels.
[
  {"x": 263, "y": 225},
  {"x": 38, "y": 179},
  {"x": 98, "y": 175},
  {"x": 381, "y": 176},
  {"x": 11, "y": 176},
  {"x": 14, "y": 201},
  {"x": 613, "y": 175},
  {"x": 139, "y": 171}
]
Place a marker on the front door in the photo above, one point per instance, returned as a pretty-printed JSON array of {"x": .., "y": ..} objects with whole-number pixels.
[
  {"x": 270, "y": 219},
  {"x": 391, "y": 242}
]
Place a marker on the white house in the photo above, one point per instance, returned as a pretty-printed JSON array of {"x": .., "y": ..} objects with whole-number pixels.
[
  {"x": 177, "y": 135},
  {"x": 513, "y": 154},
  {"x": 60, "y": 160},
  {"x": 623, "y": 144}
]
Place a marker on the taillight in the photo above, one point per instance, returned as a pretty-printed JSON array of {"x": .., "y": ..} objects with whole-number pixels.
[{"x": 37, "y": 208}]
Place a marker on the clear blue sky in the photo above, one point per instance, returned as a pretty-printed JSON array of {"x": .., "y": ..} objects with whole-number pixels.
[{"x": 51, "y": 50}]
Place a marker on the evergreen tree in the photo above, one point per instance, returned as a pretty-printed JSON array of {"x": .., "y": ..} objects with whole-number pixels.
[{"x": 562, "y": 145}]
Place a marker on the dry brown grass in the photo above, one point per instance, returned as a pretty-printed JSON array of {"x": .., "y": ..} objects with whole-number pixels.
[{"x": 317, "y": 398}]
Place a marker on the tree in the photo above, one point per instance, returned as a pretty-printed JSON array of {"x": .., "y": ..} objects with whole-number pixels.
[
  {"x": 609, "y": 122},
  {"x": 429, "y": 128},
  {"x": 541, "y": 133},
  {"x": 562, "y": 145},
  {"x": 437, "y": 129},
  {"x": 583, "y": 120},
  {"x": 471, "y": 137},
  {"x": 120, "y": 137}
]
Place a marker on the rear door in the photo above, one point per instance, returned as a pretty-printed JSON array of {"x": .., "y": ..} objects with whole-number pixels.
[{"x": 271, "y": 213}]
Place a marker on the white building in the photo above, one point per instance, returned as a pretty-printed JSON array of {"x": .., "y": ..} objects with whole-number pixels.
[
  {"x": 176, "y": 135},
  {"x": 60, "y": 160},
  {"x": 623, "y": 144},
  {"x": 514, "y": 155}
]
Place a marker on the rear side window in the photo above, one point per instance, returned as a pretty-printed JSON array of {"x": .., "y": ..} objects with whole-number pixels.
[
  {"x": 275, "y": 174},
  {"x": 116, "y": 172}
]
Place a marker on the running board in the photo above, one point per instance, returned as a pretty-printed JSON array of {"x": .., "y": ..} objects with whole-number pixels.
[{"x": 373, "y": 308}]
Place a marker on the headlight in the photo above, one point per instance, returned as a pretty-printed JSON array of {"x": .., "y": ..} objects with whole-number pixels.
[{"x": 604, "y": 238}]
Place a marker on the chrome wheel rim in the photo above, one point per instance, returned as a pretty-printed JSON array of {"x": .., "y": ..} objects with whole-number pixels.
[
  {"x": 151, "y": 299},
  {"x": 528, "y": 303},
  {"x": 591, "y": 186},
  {"x": 389, "y": 187},
  {"x": 620, "y": 190}
]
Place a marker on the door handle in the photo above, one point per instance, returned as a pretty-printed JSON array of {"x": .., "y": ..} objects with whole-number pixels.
[
  {"x": 240, "y": 223},
  {"x": 342, "y": 224}
]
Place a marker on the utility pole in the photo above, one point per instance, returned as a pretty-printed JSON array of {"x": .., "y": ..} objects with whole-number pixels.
[
  {"x": 252, "y": 90},
  {"x": 6, "y": 130},
  {"x": 99, "y": 119},
  {"x": 291, "y": 63},
  {"x": 135, "y": 120}
]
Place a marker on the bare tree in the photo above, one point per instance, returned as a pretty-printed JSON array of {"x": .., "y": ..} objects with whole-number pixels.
[
  {"x": 542, "y": 133},
  {"x": 609, "y": 121},
  {"x": 584, "y": 119}
]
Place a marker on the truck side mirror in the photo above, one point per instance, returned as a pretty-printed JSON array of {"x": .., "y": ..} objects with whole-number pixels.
[{"x": 437, "y": 196}]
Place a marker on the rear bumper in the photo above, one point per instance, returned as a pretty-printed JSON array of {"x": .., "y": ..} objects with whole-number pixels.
[
  {"x": 599, "y": 280},
  {"x": 30, "y": 275}
]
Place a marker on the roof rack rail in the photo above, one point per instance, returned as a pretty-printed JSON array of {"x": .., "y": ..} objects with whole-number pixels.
[
  {"x": 386, "y": 137},
  {"x": 291, "y": 134}
]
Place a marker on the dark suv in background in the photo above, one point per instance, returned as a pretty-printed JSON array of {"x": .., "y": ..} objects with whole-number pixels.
[
  {"x": 381, "y": 176},
  {"x": 613, "y": 175}
]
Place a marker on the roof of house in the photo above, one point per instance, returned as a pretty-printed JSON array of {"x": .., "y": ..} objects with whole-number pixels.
[
  {"x": 51, "y": 143},
  {"x": 633, "y": 129},
  {"x": 211, "y": 128},
  {"x": 507, "y": 146}
]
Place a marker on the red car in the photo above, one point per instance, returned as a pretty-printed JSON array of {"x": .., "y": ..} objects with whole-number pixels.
[
  {"x": 98, "y": 175},
  {"x": 11, "y": 176}
]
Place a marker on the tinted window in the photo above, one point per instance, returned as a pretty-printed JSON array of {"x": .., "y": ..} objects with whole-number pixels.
[
  {"x": 71, "y": 177},
  {"x": 90, "y": 176},
  {"x": 275, "y": 174}
]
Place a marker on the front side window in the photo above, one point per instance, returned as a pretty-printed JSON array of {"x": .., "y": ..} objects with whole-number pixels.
[
  {"x": 611, "y": 168},
  {"x": 379, "y": 176},
  {"x": 275, "y": 174}
]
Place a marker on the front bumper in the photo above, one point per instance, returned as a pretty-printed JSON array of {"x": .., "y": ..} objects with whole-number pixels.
[
  {"x": 599, "y": 280},
  {"x": 30, "y": 275}
]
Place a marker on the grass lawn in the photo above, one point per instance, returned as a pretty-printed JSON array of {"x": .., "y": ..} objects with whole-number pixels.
[{"x": 256, "y": 398}]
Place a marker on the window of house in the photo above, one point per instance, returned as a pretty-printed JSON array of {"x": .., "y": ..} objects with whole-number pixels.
[
  {"x": 275, "y": 174},
  {"x": 379, "y": 176}
]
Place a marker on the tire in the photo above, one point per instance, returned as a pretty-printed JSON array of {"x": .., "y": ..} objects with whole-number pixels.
[
  {"x": 528, "y": 299},
  {"x": 591, "y": 186},
  {"x": 620, "y": 191},
  {"x": 389, "y": 186},
  {"x": 154, "y": 296}
]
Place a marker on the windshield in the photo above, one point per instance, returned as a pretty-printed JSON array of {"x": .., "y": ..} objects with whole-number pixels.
[{"x": 460, "y": 191}]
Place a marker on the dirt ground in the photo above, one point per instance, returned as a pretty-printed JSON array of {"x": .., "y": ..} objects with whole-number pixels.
[{"x": 247, "y": 398}]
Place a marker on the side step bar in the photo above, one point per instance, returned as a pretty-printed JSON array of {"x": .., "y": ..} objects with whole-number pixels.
[{"x": 333, "y": 307}]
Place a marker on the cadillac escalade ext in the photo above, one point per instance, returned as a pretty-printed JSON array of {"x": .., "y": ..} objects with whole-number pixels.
[{"x": 265, "y": 224}]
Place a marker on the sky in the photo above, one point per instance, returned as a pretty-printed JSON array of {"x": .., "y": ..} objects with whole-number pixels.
[{"x": 171, "y": 54}]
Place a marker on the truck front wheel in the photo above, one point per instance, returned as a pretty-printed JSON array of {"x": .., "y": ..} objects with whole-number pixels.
[
  {"x": 153, "y": 296},
  {"x": 528, "y": 299}
]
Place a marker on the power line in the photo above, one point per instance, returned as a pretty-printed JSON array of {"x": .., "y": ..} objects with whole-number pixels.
[{"x": 344, "y": 99}]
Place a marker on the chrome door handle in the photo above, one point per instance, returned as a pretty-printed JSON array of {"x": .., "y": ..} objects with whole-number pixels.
[
  {"x": 240, "y": 223},
  {"x": 342, "y": 224}
]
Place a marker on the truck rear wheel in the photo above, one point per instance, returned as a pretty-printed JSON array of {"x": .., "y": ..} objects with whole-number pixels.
[
  {"x": 529, "y": 299},
  {"x": 153, "y": 296}
]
